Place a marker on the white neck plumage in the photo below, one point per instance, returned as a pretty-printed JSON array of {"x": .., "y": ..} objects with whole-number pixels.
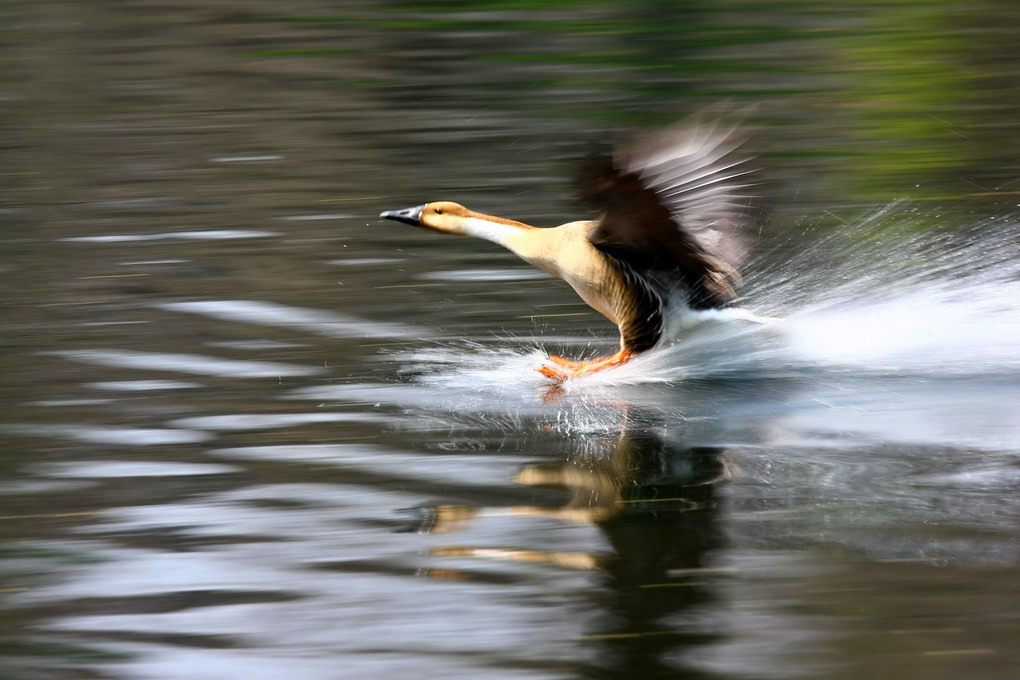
[{"x": 502, "y": 233}]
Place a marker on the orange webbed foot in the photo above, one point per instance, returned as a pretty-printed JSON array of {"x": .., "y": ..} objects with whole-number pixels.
[
  {"x": 565, "y": 363},
  {"x": 563, "y": 369}
]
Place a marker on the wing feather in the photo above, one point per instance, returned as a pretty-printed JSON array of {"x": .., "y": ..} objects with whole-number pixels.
[{"x": 675, "y": 205}]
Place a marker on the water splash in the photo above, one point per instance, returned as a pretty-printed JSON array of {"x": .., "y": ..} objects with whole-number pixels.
[
  {"x": 938, "y": 303},
  {"x": 873, "y": 299}
]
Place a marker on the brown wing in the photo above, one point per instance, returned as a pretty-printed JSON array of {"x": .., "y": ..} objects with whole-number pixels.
[{"x": 674, "y": 204}]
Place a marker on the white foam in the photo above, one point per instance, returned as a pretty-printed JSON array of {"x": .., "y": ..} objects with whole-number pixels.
[{"x": 933, "y": 304}]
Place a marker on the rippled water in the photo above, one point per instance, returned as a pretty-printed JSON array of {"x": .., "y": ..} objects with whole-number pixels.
[{"x": 252, "y": 432}]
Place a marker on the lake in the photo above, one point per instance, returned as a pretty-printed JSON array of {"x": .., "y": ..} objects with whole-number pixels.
[{"x": 250, "y": 430}]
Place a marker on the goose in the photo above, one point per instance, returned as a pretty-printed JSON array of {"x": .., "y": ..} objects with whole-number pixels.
[{"x": 663, "y": 250}]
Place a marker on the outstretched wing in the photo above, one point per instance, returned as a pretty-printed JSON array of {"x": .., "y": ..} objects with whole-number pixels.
[{"x": 674, "y": 206}]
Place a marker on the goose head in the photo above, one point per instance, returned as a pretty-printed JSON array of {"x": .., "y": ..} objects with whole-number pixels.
[{"x": 442, "y": 216}]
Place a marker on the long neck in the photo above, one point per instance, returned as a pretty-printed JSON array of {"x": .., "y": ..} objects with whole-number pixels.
[
  {"x": 540, "y": 247},
  {"x": 507, "y": 233}
]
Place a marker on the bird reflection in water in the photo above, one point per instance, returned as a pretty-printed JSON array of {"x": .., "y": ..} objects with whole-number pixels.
[{"x": 655, "y": 501}]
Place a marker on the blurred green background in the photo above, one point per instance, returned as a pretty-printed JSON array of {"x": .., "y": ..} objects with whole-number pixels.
[{"x": 858, "y": 102}]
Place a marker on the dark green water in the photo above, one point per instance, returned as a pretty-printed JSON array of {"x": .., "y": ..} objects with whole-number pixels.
[{"x": 250, "y": 431}]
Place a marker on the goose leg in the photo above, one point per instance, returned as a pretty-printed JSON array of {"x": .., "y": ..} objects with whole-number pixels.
[
  {"x": 562, "y": 369},
  {"x": 565, "y": 363}
]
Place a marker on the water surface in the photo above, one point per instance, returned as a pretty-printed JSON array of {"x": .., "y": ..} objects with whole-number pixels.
[{"x": 252, "y": 431}]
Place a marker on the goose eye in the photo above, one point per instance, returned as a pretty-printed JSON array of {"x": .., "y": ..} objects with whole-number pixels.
[{"x": 439, "y": 211}]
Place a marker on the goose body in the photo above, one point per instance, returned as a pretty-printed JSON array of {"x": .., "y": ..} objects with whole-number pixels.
[{"x": 666, "y": 243}]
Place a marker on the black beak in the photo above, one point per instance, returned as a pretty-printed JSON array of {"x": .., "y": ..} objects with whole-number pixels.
[{"x": 410, "y": 216}]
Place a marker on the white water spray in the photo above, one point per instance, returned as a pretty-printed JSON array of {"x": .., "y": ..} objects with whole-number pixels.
[{"x": 934, "y": 304}]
